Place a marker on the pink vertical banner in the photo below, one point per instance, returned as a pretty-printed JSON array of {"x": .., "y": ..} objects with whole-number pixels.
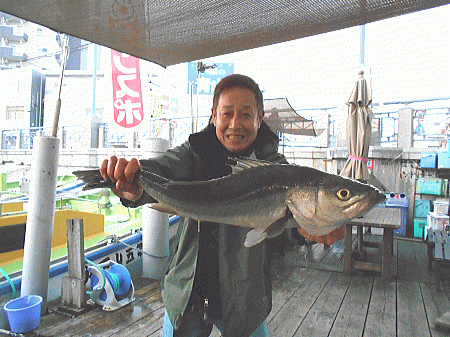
[{"x": 127, "y": 93}]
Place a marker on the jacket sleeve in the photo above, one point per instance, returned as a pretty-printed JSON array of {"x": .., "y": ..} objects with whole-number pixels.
[{"x": 175, "y": 164}]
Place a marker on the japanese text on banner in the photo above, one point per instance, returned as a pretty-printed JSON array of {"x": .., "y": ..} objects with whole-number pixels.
[{"x": 127, "y": 93}]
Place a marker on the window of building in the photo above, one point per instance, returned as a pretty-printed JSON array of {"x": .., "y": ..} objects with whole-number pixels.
[
  {"x": 17, "y": 50},
  {"x": 42, "y": 51},
  {"x": 15, "y": 113}
]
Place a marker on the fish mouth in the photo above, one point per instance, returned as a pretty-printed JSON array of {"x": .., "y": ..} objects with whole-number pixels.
[{"x": 366, "y": 202}]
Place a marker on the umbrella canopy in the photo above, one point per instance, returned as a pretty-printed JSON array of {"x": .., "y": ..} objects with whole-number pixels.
[{"x": 359, "y": 130}]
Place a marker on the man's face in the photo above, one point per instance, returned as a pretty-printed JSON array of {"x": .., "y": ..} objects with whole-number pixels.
[{"x": 236, "y": 118}]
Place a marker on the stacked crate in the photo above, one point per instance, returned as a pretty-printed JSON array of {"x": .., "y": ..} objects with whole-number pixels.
[
  {"x": 421, "y": 209},
  {"x": 425, "y": 215},
  {"x": 439, "y": 219}
]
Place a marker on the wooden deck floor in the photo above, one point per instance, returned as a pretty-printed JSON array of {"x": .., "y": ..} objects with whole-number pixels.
[{"x": 311, "y": 297}]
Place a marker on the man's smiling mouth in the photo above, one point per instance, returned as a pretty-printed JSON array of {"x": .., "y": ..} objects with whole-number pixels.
[{"x": 235, "y": 137}]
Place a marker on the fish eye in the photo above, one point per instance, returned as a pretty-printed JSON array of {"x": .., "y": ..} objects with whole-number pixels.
[{"x": 343, "y": 194}]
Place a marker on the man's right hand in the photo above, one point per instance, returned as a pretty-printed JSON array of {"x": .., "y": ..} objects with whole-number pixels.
[{"x": 121, "y": 172}]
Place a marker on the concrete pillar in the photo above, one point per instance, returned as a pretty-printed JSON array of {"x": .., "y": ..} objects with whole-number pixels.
[
  {"x": 61, "y": 133},
  {"x": 19, "y": 139},
  {"x": 405, "y": 136},
  {"x": 155, "y": 226},
  {"x": 324, "y": 139},
  {"x": 41, "y": 212},
  {"x": 131, "y": 139},
  {"x": 101, "y": 136},
  {"x": 340, "y": 127},
  {"x": 95, "y": 123},
  {"x": 90, "y": 133},
  {"x": 375, "y": 140}
]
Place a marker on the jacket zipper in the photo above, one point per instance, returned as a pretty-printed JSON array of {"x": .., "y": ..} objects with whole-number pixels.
[{"x": 205, "y": 310}]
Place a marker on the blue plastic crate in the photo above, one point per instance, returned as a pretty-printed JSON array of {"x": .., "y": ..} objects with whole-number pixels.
[
  {"x": 401, "y": 231},
  {"x": 428, "y": 159},
  {"x": 443, "y": 159}
]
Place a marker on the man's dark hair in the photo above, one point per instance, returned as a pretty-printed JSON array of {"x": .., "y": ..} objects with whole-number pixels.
[{"x": 238, "y": 80}]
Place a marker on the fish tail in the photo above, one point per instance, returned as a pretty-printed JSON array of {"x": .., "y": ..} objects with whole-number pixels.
[{"x": 93, "y": 179}]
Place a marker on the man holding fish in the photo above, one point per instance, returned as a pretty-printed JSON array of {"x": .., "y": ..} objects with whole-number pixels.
[
  {"x": 220, "y": 272},
  {"x": 212, "y": 273}
]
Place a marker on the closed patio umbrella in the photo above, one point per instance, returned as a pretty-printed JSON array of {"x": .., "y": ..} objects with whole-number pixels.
[{"x": 359, "y": 130}]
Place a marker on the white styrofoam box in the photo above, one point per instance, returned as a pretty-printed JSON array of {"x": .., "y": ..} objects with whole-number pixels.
[
  {"x": 437, "y": 221},
  {"x": 441, "y": 207}
]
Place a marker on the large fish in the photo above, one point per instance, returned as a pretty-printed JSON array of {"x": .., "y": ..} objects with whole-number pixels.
[{"x": 265, "y": 196}]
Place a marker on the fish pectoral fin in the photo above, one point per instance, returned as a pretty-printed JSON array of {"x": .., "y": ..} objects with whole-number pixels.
[
  {"x": 255, "y": 236},
  {"x": 163, "y": 208},
  {"x": 277, "y": 227},
  {"x": 258, "y": 235}
]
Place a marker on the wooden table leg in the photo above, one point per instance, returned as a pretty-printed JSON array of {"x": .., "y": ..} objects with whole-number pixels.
[
  {"x": 359, "y": 234},
  {"x": 386, "y": 261},
  {"x": 430, "y": 253},
  {"x": 348, "y": 250},
  {"x": 437, "y": 274}
]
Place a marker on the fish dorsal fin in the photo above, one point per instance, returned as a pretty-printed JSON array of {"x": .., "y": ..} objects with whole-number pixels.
[
  {"x": 163, "y": 208},
  {"x": 239, "y": 164}
]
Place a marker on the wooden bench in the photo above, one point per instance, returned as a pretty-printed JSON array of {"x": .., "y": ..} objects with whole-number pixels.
[{"x": 438, "y": 250}]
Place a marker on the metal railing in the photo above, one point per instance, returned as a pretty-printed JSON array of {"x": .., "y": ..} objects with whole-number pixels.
[
  {"x": 16, "y": 195},
  {"x": 177, "y": 130}
]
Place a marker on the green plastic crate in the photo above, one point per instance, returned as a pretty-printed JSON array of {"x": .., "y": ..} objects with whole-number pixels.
[
  {"x": 422, "y": 207},
  {"x": 434, "y": 186},
  {"x": 419, "y": 224}
]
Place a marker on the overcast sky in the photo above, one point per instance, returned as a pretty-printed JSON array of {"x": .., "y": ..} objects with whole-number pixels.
[{"x": 407, "y": 56}]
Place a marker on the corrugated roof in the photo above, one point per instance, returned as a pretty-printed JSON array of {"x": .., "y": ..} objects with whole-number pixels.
[{"x": 176, "y": 31}]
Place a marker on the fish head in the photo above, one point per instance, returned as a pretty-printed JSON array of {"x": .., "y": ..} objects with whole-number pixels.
[{"x": 325, "y": 205}]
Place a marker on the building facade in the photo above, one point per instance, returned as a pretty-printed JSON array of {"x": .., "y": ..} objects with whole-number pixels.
[{"x": 30, "y": 68}]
